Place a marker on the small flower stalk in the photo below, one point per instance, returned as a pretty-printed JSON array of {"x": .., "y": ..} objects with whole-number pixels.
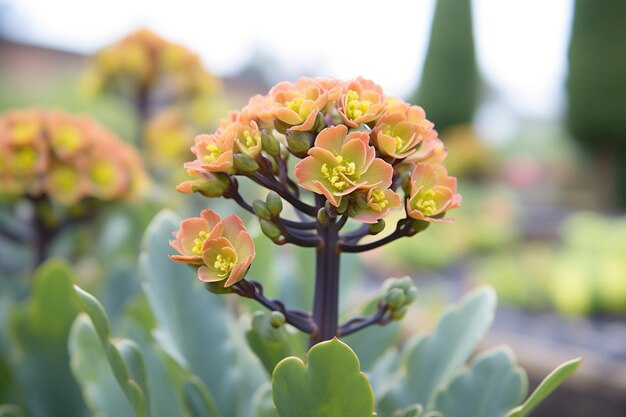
[{"x": 360, "y": 156}]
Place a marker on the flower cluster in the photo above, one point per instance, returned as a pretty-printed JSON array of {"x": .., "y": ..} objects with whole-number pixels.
[
  {"x": 143, "y": 60},
  {"x": 221, "y": 248},
  {"x": 358, "y": 147},
  {"x": 66, "y": 158}
]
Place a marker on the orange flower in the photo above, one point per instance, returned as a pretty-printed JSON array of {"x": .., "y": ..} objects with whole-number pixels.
[
  {"x": 340, "y": 163},
  {"x": 214, "y": 152},
  {"x": 297, "y": 104},
  {"x": 378, "y": 203},
  {"x": 361, "y": 101},
  {"x": 433, "y": 193},
  {"x": 398, "y": 133}
]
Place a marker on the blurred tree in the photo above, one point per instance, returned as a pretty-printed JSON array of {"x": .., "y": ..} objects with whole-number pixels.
[
  {"x": 596, "y": 83},
  {"x": 450, "y": 82}
]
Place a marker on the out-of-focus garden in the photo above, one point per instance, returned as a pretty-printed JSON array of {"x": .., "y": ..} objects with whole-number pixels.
[{"x": 543, "y": 218}]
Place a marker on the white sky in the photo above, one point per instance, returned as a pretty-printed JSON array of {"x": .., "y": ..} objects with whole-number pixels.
[{"x": 521, "y": 44}]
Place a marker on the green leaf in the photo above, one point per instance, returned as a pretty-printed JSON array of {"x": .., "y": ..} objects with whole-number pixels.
[
  {"x": 330, "y": 384},
  {"x": 39, "y": 330},
  {"x": 193, "y": 325},
  {"x": 10, "y": 410},
  {"x": 547, "y": 386},
  {"x": 271, "y": 345},
  {"x": 198, "y": 399},
  {"x": 101, "y": 391},
  {"x": 263, "y": 403},
  {"x": 431, "y": 360},
  {"x": 489, "y": 388},
  {"x": 123, "y": 355}
]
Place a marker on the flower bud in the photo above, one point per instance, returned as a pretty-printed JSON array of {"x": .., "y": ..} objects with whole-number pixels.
[
  {"x": 277, "y": 319},
  {"x": 215, "y": 186},
  {"x": 361, "y": 201},
  {"x": 395, "y": 298},
  {"x": 260, "y": 209},
  {"x": 419, "y": 225},
  {"x": 343, "y": 205},
  {"x": 330, "y": 210},
  {"x": 376, "y": 228},
  {"x": 274, "y": 203},
  {"x": 410, "y": 295},
  {"x": 281, "y": 126},
  {"x": 218, "y": 288},
  {"x": 322, "y": 216},
  {"x": 298, "y": 142},
  {"x": 245, "y": 164},
  {"x": 399, "y": 313},
  {"x": 320, "y": 122},
  {"x": 270, "y": 230},
  {"x": 269, "y": 143}
]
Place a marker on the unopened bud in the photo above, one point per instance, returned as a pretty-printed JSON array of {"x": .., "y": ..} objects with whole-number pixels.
[
  {"x": 395, "y": 299},
  {"x": 403, "y": 283},
  {"x": 361, "y": 201},
  {"x": 343, "y": 205},
  {"x": 214, "y": 186},
  {"x": 245, "y": 164},
  {"x": 419, "y": 225},
  {"x": 376, "y": 228},
  {"x": 281, "y": 126},
  {"x": 322, "y": 216},
  {"x": 320, "y": 122},
  {"x": 260, "y": 209},
  {"x": 298, "y": 142},
  {"x": 269, "y": 143},
  {"x": 274, "y": 203},
  {"x": 277, "y": 319},
  {"x": 269, "y": 229},
  {"x": 410, "y": 295},
  {"x": 330, "y": 210},
  {"x": 399, "y": 313}
]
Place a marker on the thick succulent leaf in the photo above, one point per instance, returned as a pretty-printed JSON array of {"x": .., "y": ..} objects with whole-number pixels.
[
  {"x": 170, "y": 385},
  {"x": 123, "y": 355},
  {"x": 547, "y": 386},
  {"x": 489, "y": 388},
  {"x": 91, "y": 368},
  {"x": 39, "y": 330},
  {"x": 193, "y": 326},
  {"x": 330, "y": 384},
  {"x": 10, "y": 410},
  {"x": 263, "y": 403},
  {"x": 271, "y": 345},
  {"x": 433, "y": 359}
]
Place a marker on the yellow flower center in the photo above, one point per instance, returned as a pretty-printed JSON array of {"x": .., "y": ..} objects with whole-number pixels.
[
  {"x": 355, "y": 107},
  {"x": 64, "y": 179},
  {"x": 223, "y": 265},
  {"x": 340, "y": 175},
  {"x": 199, "y": 241},
  {"x": 67, "y": 139},
  {"x": 249, "y": 140},
  {"x": 22, "y": 132},
  {"x": 399, "y": 141},
  {"x": 25, "y": 159},
  {"x": 378, "y": 202},
  {"x": 296, "y": 106},
  {"x": 213, "y": 152},
  {"x": 425, "y": 202},
  {"x": 103, "y": 173}
]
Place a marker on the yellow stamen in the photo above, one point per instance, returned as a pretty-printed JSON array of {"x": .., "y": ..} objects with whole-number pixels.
[
  {"x": 67, "y": 138},
  {"x": 199, "y": 242},
  {"x": 342, "y": 175},
  {"x": 223, "y": 265},
  {"x": 250, "y": 140},
  {"x": 425, "y": 202},
  {"x": 25, "y": 159},
  {"x": 64, "y": 179},
  {"x": 399, "y": 141},
  {"x": 23, "y": 132},
  {"x": 355, "y": 107},
  {"x": 296, "y": 106},
  {"x": 378, "y": 202},
  {"x": 214, "y": 152},
  {"x": 103, "y": 173}
]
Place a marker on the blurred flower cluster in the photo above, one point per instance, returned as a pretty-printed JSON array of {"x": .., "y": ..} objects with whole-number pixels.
[
  {"x": 143, "y": 60},
  {"x": 66, "y": 158},
  {"x": 358, "y": 147}
]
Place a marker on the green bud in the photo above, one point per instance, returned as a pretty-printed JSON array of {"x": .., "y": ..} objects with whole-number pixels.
[
  {"x": 376, "y": 228},
  {"x": 410, "y": 295},
  {"x": 353, "y": 210},
  {"x": 260, "y": 209},
  {"x": 322, "y": 216},
  {"x": 277, "y": 319},
  {"x": 361, "y": 201},
  {"x": 274, "y": 203},
  {"x": 269, "y": 143},
  {"x": 281, "y": 126},
  {"x": 215, "y": 186},
  {"x": 399, "y": 313},
  {"x": 269, "y": 229},
  {"x": 330, "y": 210},
  {"x": 320, "y": 122},
  {"x": 218, "y": 288},
  {"x": 298, "y": 142},
  {"x": 395, "y": 298},
  {"x": 403, "y": 283},
  {"x": 420, "y": 225},
  {"x": 343, "y": 205},
  {"x": 245, "y": 164}
]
